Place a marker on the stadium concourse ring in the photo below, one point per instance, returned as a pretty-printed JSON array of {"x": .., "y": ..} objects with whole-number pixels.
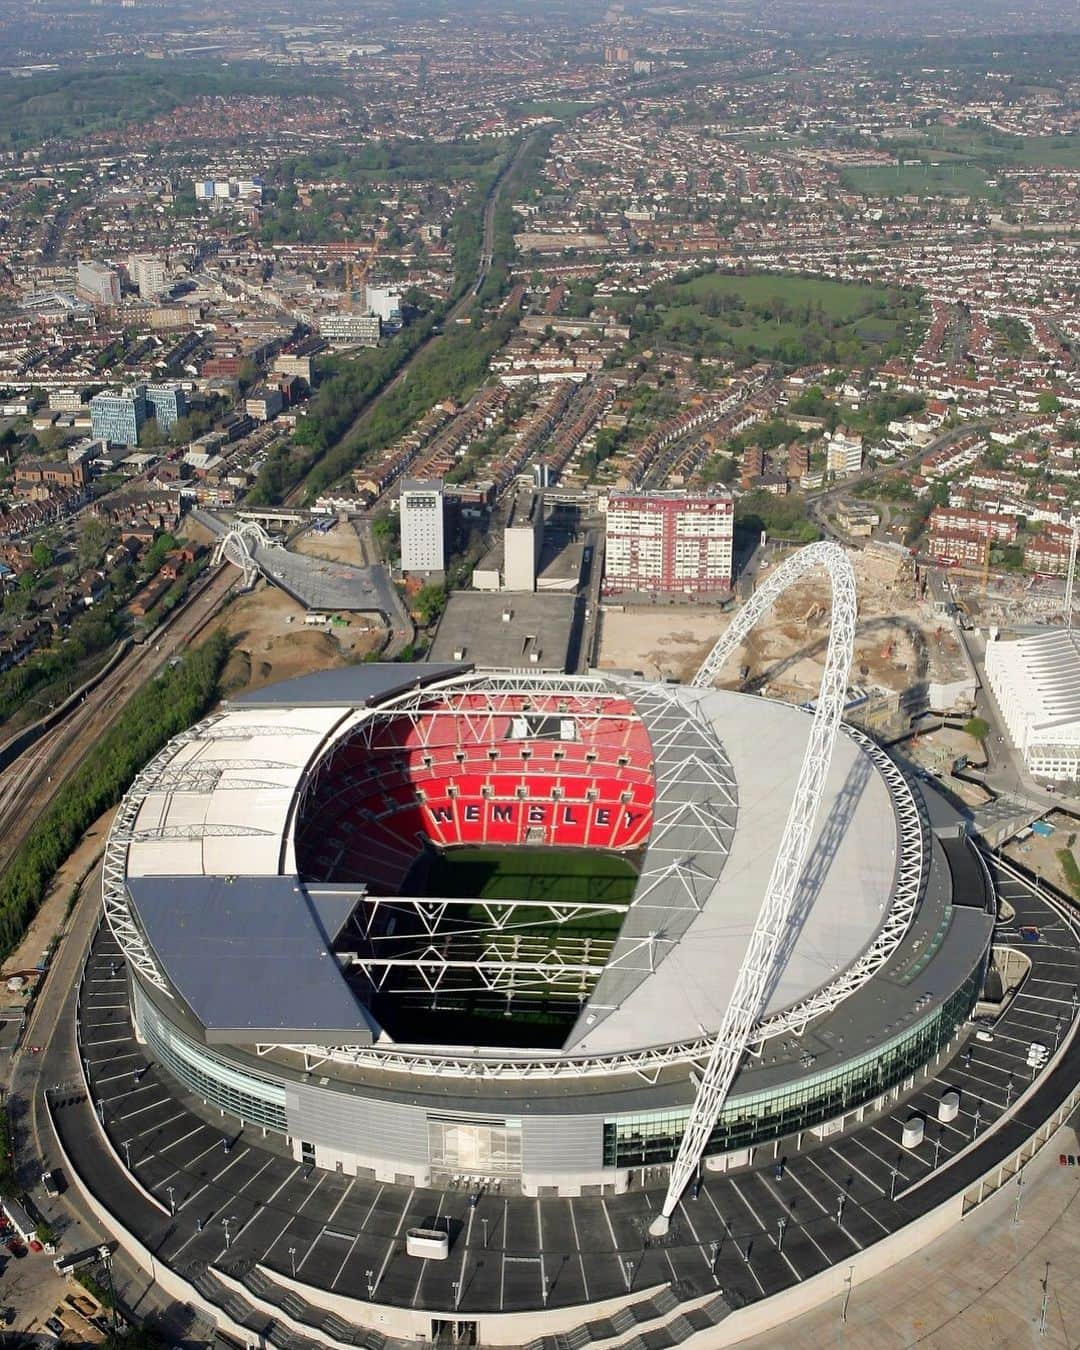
[{"x": 431, "y": 921}]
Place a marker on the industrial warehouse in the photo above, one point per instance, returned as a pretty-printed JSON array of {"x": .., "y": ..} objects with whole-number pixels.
[{"x": 463, "y": 941}]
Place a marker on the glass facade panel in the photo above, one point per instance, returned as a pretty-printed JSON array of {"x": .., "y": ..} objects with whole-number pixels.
[
  {"x": 246, "y": 1095},
  {"x": 486, "y": 1147},
  {"x": 653, "y": 1136}
]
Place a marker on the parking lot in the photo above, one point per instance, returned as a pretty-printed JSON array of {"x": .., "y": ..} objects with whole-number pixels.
[{"x": 231, "y": 1200}]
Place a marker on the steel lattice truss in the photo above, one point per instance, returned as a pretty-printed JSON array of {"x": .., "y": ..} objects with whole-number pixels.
[
  {"x": 759, "y": 967},
  {"x": 238, "y": 546},
  {"x": 670, "y": 722},
  {"x": 122, "y": 834}
]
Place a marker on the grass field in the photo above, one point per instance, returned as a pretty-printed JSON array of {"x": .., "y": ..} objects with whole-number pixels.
[
  {"x": 538, "y": 874},
  {"x": 989, "y": 148},
  {"x": 953, "y": 179},
  {"x": 527, "y": 1011},
  {"x": 776, "y": 316}
]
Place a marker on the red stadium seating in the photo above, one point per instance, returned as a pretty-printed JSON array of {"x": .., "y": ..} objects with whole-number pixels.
[{"x": 466, "y": 771}]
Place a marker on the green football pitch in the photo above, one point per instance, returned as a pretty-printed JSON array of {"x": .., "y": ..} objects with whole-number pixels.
[{"x": 542, "y": 875}]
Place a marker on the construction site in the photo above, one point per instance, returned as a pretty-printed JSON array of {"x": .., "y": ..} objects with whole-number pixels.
[{"x": 908, "y": 656}]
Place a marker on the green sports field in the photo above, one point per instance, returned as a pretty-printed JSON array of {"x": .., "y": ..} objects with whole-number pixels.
[
  {"x": 540, "y": 874},
  {"x": 527, "y": 1008}
]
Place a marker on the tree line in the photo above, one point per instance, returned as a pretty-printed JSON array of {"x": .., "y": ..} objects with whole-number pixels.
[{"x": 161, "y": 709}]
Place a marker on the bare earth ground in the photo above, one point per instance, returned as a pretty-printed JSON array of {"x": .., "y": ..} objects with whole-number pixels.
[
  {"x": 273, "y": 643},
  {"x": 341, "y": 544},
  {"x": 787, "y": 648},
  {"x": 1040, "y": 855},
  {"x": 661, "y": 641}
]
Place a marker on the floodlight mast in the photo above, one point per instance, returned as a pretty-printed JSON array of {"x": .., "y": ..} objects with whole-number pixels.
[{"x": 760, "y": 963}]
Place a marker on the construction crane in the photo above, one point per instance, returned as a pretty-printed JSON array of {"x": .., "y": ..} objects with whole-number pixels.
[{"x": 356, "y": 275}]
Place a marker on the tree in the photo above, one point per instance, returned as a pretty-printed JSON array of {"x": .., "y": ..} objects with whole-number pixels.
[
  {"x": 92, "y": 543},
  {"x": 1049, "y": 404},
  {"x": 42, "y": 555},
  {"x": 429, "y": 602},
  {"x": 977, "y": 727}
]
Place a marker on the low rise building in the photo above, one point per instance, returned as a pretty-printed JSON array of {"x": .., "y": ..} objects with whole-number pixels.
[
  {"x": 264, "y": 402},
  {"x": 1034, "y": 681}
]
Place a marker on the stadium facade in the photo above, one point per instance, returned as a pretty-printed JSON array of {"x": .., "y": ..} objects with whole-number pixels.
[{"x": 306, "y": 957}]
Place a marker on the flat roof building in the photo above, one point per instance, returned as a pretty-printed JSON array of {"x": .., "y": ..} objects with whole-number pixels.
[
  {"x": 97, "y": 283},
  {"x": 118, "y": 417},
  {"x": 168, "y": 403},
  {"x": 1036, "y": 682},
  {"x": 668, "y": 542}
]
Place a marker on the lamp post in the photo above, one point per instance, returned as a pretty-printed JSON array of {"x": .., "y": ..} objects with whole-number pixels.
[
  {"x": 292, "y": 1261},
  {"x": 127, "y": 1153},
  {"x": 781, "y": 1229},
  {"x": 172, "y": 1199},
  {"x": 1019, "y": 1194},
  {"x": 105, "y": 1252},
  {"x": 370, "y": 1283}
]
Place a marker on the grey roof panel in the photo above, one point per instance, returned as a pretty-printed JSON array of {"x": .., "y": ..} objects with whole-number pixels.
[
  {"x": 359, "y": 686},
  {"x": 249, "y": 957}
]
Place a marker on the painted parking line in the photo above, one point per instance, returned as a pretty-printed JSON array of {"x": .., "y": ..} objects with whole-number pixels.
[
  {"x": 183, "y": 1170},
  {"x": 183, "y": 1138},
  {"x": 371, "y": 1209},
  {"x": 748, "y": 1206},
  {"x": 256, "y": 1175},
  {"x": 268, "y": 1203},
  {"x": 151, "y": 1128},
  {"x": 393, "y": 1241},
  {"x": 424, "y": 1264},
  {"x": 142, "y": 1110},
  {"x": 577, "y": 1244},
  {"x": 345, "y": 1262}
]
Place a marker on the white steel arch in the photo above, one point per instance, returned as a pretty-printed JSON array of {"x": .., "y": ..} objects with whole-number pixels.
[
  {"x": 757, "y": 970},
  {"x": 238, "y": 546}
]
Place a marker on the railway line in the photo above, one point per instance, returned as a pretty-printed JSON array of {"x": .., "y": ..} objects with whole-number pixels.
[
  {"x": 458, "y": 310},
  {"x": 31, "y": 781}
]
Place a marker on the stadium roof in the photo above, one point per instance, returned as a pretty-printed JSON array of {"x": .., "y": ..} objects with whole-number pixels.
[
  {"x": 1045, "y": 667},
  {"x": 841, "y": 902},
  {"x": 251, "y": 957},
  {"x": 351, "y": 686},
  {"x": 220, "y": 802}
]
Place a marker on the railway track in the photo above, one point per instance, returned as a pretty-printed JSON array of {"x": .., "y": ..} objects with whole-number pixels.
[{"x": 31, "y": 781}]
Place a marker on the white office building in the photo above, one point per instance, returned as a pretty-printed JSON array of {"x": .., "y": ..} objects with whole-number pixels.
[
  {"x": 359, "y": 329},
  {"x": 844, "y": 454},
  {"x": 1036, "y": 682},
  {"x": 97, "y": 283},
  {"x": 147, "y": 274},
  {"x": 423, "y": 540},
  {"x": 385, "y": 301}
]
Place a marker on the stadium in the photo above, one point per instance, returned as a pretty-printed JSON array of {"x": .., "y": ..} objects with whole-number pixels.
[{"x": 566, "y": 934}]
